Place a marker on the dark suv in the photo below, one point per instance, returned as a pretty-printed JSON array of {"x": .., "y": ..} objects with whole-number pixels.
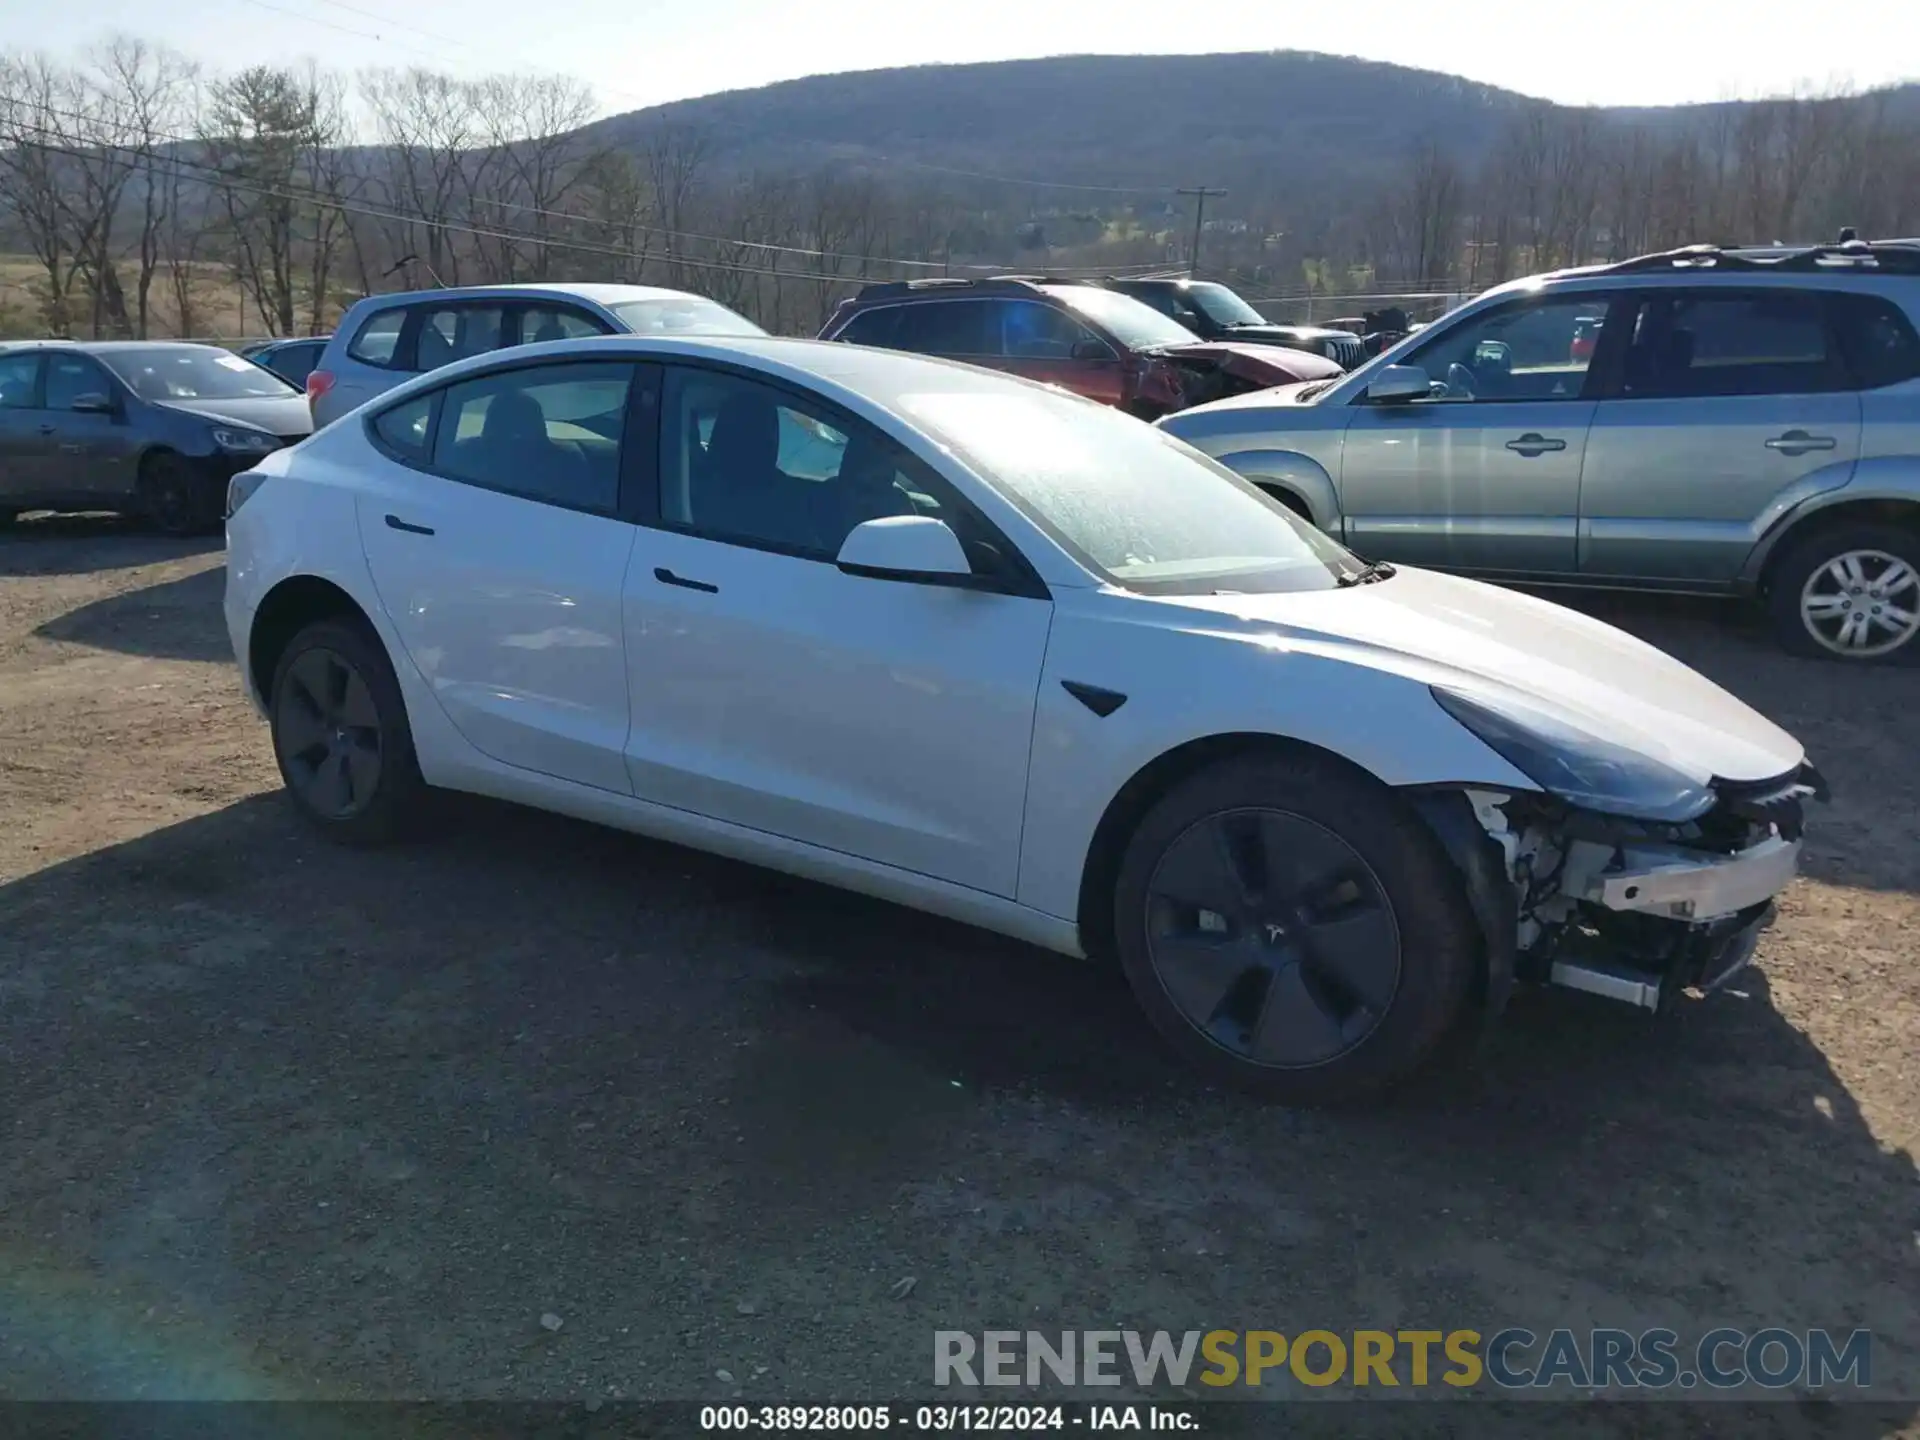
[
  {"x": 1079, "y": 336},
  {"x": 1214, "y": 312}
]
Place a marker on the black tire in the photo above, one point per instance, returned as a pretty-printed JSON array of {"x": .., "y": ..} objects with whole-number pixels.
[
  {"x": 1364, "y": 1018},
  {"x": 1806, "y": 563},
  {"x": 1145, "y": 410},
  {"x": 341, "y": 737},
  {"x": 176, "y": 498}
]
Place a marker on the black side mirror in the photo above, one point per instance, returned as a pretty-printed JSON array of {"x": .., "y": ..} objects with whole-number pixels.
[
  {"x": 1091, "y": 350},
  {"x": 93, "y": 402}
]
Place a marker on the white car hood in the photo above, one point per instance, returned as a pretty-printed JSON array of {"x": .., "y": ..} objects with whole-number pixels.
[{"x": 1472, "y": 637}]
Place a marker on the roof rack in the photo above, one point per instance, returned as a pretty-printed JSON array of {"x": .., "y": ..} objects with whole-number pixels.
[{"x": 1897, "y": 257}]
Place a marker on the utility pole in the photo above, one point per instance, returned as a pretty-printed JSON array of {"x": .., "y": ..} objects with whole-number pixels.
[{"x": 1200, "y": 194}]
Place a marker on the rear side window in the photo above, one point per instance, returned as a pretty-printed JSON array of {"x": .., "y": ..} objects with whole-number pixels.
[
  {"x": 456, "y": 332},
  {"x": 1877, "y": 340},
  {"x": 378, "y": 338},
  {"x": 294, "y": 363},
  {"x": 950, "y": 327},
  {"x": 404, "y": 428},
  {"x": 542, "y": 323},
  {"x": 873, "y": 327},
  {"x": 1774, "y": 342},
  {"x": 548, "y": 432}
]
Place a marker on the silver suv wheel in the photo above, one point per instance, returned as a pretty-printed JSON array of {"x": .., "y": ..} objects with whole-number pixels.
[{"x": 1861, "y": 603}]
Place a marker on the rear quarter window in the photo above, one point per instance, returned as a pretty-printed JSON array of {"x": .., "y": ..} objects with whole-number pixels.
[
  {"x": 1876, "y": 339},
  {"x": 377, "y": 341},
  {"x": 403, "y": 430}
]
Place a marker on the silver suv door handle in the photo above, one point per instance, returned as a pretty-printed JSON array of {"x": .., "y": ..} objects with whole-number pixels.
[
  {"x": 1799, "y": 442},
  {"x": 1531, "y": 444}
]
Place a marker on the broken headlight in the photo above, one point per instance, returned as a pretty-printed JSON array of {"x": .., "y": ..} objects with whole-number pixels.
[{"x": 1578, "y": 767}]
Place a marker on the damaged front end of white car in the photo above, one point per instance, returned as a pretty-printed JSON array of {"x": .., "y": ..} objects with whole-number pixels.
[{"x": 1619, "y": 876}]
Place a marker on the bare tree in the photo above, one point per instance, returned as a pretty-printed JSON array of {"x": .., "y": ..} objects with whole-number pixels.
[
  {"x": 152, "y": 92},
  {"x": 35, "y": 146},
  {"x": 429, "y": 125}
]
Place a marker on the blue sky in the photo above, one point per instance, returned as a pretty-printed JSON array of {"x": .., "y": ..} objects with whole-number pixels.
[{"x": 640, "y": 52}]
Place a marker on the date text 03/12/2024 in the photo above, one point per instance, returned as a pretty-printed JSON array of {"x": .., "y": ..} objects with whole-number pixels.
[{"x": 941, "y": 1419}]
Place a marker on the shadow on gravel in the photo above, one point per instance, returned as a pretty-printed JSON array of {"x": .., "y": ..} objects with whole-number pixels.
[
  {"x": 174, "y": 620},
  {"x": 293, "y": 1119},
  {"x": 44, "y": 544}
]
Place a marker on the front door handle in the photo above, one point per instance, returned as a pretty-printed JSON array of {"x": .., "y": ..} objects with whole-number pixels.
[
  {"x": 1531, "y": 444},
  {"x": 46, "y": 429},
  {"x": 1799, "y": 442},
  {"x": 667, "y": 577},
  {"x": 394, "y": 522}
]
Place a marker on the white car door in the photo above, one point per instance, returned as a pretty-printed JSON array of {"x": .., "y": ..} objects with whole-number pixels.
[
  {"x": 878, "y": 718},
  {"x": 492, "y": 535}
]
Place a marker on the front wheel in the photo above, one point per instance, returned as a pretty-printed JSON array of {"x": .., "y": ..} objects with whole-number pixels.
[
  {"x": 341, "y": 736},
  {"x": 1850, "y": 593},
  {"x": 1291, "y": 930},
  {"x": 175, "y": 497}
]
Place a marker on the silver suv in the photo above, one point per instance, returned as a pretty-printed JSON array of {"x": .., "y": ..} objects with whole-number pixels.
[
  {"x": 1715, "y": 421},
  {"x": 384, "y": 339}
]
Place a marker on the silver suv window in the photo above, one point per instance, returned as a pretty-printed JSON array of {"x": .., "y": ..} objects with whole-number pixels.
[
  {"x": 378, "y": 338},
  {"x": 1714, "y": 343},
  {"x": 1531, "y": 350}
]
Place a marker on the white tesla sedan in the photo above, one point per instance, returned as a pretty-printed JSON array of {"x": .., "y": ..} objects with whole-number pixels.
[{"x": 979, "y": 647}]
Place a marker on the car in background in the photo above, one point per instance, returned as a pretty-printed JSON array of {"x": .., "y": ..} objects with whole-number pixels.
[
  {"x": 383, "y": 340},
  {"x": 291, "y": 359},
  {"x": 1715, "y": 421},
  {"x": 148, "y": 428},
  {"x": 1080, "y": 336},
  {"x": 1214, "y": 312},
  {"x": 983, "y": 648}
]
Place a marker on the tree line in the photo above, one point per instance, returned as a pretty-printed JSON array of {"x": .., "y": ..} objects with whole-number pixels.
[{"x": 148, "y": 197}]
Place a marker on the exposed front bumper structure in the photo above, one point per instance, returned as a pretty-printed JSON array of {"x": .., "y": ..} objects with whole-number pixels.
[{"x": 1631, "y": 911}]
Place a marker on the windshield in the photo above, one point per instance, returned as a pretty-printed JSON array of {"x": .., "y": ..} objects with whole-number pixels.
[
  {"x": 194, "y": 372},
  {"x": 1223, "y": 306},
  {"x": 1134, "y": 325},
  {"x": 1138, "y": 507},
  {"x": 681, "y": 315}
]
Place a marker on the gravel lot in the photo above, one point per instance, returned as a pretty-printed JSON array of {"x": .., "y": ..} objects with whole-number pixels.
[{"x": 288, "y": 1121}]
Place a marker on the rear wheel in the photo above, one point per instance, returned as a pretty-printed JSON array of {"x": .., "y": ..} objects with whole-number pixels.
[
  {"x": 1850, "y": 593},
  {"x": 175, "y": 497},
  {"x": 1291, "y": 930},
  {"x": 341, "y": 736}
]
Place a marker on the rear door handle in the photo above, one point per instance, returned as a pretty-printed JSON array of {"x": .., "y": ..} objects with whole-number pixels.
[
  {"x": 394, "y": 522},
  {"x": 667, "y": 577},
  {"x": 46, "y": 429},
  {"x": 1531, "y": 444},
  {"x": 1799, "y": 442}
]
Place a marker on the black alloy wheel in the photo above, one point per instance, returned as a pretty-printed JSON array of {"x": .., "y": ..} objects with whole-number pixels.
[
  {"x": 1292, "y": 927},
  {"x": 1272, "y": 937},
  {"x": 341, "y": 736}
]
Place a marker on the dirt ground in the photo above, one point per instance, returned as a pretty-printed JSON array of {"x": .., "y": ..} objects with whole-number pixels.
[{"x": 283, "y": 1120}]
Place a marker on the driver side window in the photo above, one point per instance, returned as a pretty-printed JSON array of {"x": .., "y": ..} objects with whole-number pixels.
[
  {"x": 71, "y": 376},
  {"x": 1532, "y": 350},
  {"x": 757, "y": 465}
]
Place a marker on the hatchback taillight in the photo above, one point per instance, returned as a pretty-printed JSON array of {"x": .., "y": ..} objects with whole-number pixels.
[{"x": 319, "y": 382}]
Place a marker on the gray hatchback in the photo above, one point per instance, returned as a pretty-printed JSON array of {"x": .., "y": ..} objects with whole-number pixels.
[
  {"x": 385, "y": 339},
  {"x": 1703, "y": 420}
]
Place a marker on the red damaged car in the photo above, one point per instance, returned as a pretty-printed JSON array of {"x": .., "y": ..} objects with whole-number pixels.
[{"x": 1084, "y": 338}]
